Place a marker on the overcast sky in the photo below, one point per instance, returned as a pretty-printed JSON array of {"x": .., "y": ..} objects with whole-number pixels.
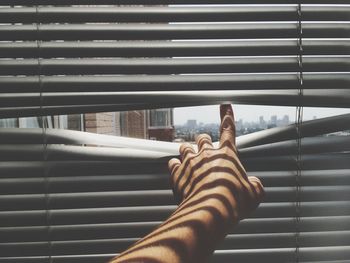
[{"x": 210, "y": 114}]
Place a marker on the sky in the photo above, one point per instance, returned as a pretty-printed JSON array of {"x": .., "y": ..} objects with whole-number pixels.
[{"x": 249, "y": 113}]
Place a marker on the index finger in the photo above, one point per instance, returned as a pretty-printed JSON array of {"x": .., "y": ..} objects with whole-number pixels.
[{"x": 227, "y": 127}]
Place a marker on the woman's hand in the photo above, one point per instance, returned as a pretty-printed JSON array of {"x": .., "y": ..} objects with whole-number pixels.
[{"x": 203, "y": 172}]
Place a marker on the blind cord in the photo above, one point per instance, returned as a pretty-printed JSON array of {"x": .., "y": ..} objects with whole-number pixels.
[
  {"x": 43, "y": 125},
  {"x": 299, "y": 118}
]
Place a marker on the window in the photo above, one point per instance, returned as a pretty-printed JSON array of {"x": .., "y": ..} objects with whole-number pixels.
[
  {"x": 69, "y": 195},
  {"x": 160, "y": 118},
  {"x": 9, "y": 123}
]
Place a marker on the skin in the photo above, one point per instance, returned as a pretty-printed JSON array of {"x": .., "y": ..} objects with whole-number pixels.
[{"x": 214, "y": 193}]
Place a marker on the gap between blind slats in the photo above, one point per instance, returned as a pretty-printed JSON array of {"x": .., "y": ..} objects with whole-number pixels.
[{"x": 278, "y": 134}]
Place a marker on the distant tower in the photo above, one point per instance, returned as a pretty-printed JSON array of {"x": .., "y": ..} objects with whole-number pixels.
[
  {"x": 261, "y": 119},
  {"x": 285, "y": 120},
  {"x": 274, "y": 120},
  {"x": 191, "y": 124},
  {"x": 262, "y": 122}
]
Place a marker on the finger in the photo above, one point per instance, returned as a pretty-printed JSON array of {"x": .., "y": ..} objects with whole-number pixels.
[
  {"x": 204, "y": 142},
  {"x": 259, "y": 188},
  {"x": 227, "y": 127},
  {"x": 186, "y": 150},
  {"x": 223, "y": 109},
  {"x": 173, "y": 165}
]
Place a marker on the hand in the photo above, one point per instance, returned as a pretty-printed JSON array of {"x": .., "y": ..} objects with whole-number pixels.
[
  {"x": 214, "y": 192},
  {"x": 211, "y": 170}
]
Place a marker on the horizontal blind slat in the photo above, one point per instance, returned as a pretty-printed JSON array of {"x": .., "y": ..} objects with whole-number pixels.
[
  {"x": 29, "y": 152},
  {"x": 139, "y": 229},
  {"x": 16, "y": 200},
  {"x": 172, "y": 48},
  {"x": 158, "y": 213},
  {"x": 285, "y": 254},
  {"x": 70, "y": 182},
  {"x": 55, "y": 86},
  {"x": 172, "y": 31},
  {"x": 103, "y": 246},
  {"x": 170, "y": 13},
  {"x": 160, "y": 2},
  {"x": 73, "y": 102},
  {"x": 172, "y": 66},
  {"x": 39, "y": 259}
]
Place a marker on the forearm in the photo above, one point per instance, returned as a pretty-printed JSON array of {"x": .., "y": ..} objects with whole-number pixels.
[
  {"x": 214, "y": 192},
  {"x": 191, "y": 232}
]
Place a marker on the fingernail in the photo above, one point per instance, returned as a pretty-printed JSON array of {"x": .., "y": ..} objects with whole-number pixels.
[{"x": 227, "y": 108}]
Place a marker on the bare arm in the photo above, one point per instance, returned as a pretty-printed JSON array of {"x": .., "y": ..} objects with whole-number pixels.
[{"x": 214, "y": 194}]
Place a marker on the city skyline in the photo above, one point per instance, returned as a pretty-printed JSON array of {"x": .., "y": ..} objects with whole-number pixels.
[
  {"x": 192, "y": 128},
  {"x": 249, "y": 113}
]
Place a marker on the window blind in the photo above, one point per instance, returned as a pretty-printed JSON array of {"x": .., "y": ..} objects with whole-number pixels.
[{"x": 69, "y": 196}]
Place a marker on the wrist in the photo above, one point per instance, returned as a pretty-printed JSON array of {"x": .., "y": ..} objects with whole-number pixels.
[
  {"x": 217, "y": 204},
  {"x": 214, "y": 213}
]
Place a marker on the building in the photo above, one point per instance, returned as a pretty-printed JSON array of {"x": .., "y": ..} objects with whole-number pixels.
[
  {"x": 155, "y": 124},
  {"x": 134, "y": 124},
  {"x": 262, "y": 122},
  {"x": 145, "y": 124},
  {"x": 284, "y": 121},
  {"x": 161, "y": 125},
  {"x": 191, "y": 124},
  {"x": 273, "y": 120},
  {"x": 102, "y": 123}
]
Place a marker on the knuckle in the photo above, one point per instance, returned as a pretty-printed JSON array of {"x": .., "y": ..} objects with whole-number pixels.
[
  {"x": 204, "y": 140},
  {"x": 202, "y": 137},
  {"x": 173, "y": 163},
  {"x": 182, "y": 147},
  {"x": 185, "y": 147}
]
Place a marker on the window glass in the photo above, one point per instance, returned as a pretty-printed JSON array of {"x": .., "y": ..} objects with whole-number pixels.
[
  {"x": 9, "y": 123},
  {"x": 30, "y": 122},
  {"x": 75, "y": 122},
  {"x": 160, "y": 118}
]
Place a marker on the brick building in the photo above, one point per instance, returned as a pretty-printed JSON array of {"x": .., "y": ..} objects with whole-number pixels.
[
  {"x": 146, "y": 124},
  {"x": 102, "y": 123}
]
